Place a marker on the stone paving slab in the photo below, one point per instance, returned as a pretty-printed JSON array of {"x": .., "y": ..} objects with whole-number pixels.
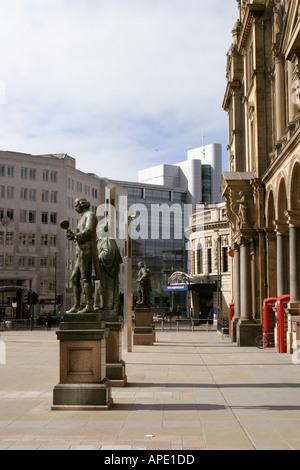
[{"x": 189, "y": 391}]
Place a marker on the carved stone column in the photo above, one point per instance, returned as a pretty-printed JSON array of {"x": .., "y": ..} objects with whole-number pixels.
[
  {"x": 294, "y": 252},
  {"x": 282, "y": 257},
  {"x": 236, "y": 283},
  {"x": 245, "y": 286},
  {"x": 294, "y": 264},
  {"x": 292, "y": 310},
  {"x": 271, "y": 262},
  {"x": 246, "y": 329},
  {"x": 236, "y": 291}
]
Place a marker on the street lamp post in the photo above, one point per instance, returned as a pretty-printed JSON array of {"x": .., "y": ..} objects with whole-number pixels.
[
  {"x": 55, "y": 281},
  {"x": 130, "y": 218}
]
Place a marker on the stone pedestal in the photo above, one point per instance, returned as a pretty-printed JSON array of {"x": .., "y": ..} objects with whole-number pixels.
[
  {"x": 83, "y": 382},
  {"x": 115, "y": 366},
  {"x": 246, "y": 333},
  {"x": 144, "y": 332},
  {"x": 233, "y": 330}
]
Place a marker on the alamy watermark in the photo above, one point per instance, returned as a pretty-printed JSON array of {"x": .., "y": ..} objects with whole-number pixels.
[
  {"x": 2, "y": 92},
  {"x": 154, "y": 222},
  {"x": 296, "y": 353}
]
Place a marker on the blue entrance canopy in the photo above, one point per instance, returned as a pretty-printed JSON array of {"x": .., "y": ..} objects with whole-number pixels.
[{"x": 179, "y": 287}]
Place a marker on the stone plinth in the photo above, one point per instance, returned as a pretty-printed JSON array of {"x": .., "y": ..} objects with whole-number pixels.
[
  {"x": 246, "y": 333},
  {"x": 233, "y": 327},
  {"x": 144, "y": 332},
  {"x": 83, "y": 382},
  {"x": 115, "y": 366}
]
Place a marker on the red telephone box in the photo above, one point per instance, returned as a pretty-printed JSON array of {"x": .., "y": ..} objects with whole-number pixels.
[
  {"x": 281, "y": 305},
  {"x": 269, "y": 318},
  {"x": 230, "y": 316}
]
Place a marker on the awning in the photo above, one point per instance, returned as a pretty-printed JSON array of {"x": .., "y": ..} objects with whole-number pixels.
[{"x": 178, "y": 287}]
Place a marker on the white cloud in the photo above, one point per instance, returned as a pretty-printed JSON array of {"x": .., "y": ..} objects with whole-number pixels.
[{"x": 107, "y": 81}]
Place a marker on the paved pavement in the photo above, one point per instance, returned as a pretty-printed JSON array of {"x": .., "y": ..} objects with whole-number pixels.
[{"x": 189, "y": 391}]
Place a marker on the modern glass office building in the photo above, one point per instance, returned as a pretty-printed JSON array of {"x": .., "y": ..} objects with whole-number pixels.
[
  {"x": 158, "y": 238},
  {"x": 162, "y": 202}
]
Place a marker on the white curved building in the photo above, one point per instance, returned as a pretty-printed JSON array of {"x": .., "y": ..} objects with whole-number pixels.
[{"x": 199, "y": 175}]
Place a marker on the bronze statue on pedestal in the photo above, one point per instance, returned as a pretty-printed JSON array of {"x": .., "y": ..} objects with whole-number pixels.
[
  {"x": 144, "y": 285},
  {"x": 87, "y": 264}
]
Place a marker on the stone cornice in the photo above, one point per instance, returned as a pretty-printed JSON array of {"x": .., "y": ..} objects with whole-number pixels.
[
  {"x": 216, "y": 225},
  {"x": 232, "y": 86},
  {"x": 293, "y": 218},
  {"x": 253, "y": 10},
  {"x": 281, "y": 227}
]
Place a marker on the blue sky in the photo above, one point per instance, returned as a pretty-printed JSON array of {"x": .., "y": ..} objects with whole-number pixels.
[{"x": 110, "y": 81}]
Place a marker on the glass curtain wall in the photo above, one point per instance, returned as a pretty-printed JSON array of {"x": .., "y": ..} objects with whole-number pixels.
[{"x": 161, "y": 249}]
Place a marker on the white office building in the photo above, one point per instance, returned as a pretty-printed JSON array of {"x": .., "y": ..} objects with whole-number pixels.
[
  {"x": 199, "y": 175},
  {"x": 37, "y": 192}
]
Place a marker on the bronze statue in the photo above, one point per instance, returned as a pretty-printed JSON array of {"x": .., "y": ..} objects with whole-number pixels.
[
  {"x": 144, "y": 285},
  {"x": 87, "y": 264},
  {"x": 107, "y": 295}
]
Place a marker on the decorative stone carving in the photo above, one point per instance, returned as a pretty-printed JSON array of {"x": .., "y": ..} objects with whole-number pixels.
[
  {"x": 243, "y": 240},
  {"x": 242, "y": 215},
  {"x": 278, "y": 16}
]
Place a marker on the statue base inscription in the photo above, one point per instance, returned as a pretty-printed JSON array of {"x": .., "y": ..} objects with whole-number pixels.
[
  {"x": 144, "y": 332},
  {"x": 83, "y": 382}
]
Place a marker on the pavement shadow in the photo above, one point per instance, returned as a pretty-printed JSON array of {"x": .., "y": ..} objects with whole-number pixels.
[
  {"x": 210, "y": 385},
  {"x": 199, "y": 407},
  {"x": 167, "y": 407}
]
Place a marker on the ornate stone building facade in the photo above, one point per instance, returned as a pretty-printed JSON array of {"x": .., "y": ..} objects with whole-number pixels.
[
  {"x": 210, "y": 261},
  {"x": 262, "y": 187}
]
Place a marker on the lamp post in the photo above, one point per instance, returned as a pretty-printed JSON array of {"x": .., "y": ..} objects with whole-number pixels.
[
  {"x": 55, "y": 280},
  {"x": 130, "y": 218}
]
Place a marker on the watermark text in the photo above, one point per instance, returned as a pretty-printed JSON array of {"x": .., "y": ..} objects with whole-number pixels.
[{"x": 154, "y": 222}]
